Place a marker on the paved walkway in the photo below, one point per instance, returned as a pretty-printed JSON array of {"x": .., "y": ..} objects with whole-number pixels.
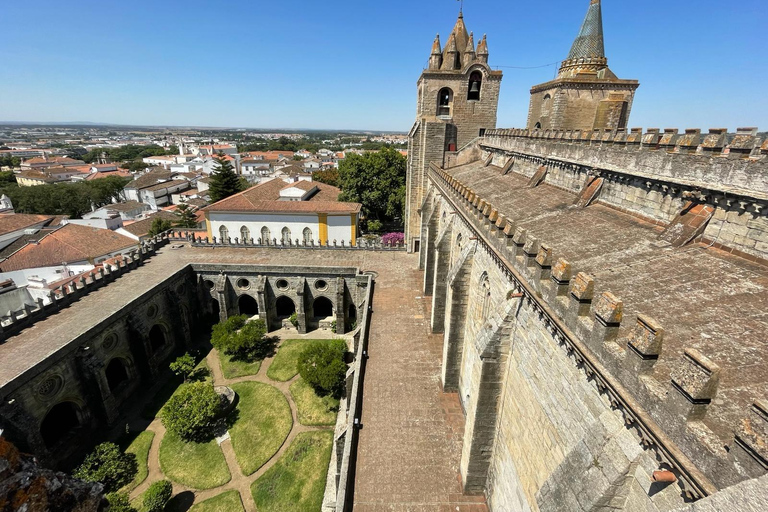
[{"x": 410, "y": 446}]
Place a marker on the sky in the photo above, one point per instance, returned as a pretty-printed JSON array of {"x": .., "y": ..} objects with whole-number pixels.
[{"x": 354, "y": 64}]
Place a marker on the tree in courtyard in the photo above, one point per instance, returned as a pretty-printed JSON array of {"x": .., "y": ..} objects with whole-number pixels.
[
  {"x": 108, "y": 465},
  {"x": 157, "y": 496},
  {"x": 377, "y": 181},
  {"x": 327, "y": 176},
  {"x": 236, "y": 337},
  {"x": 159, "y": 226},
  {"x": 322, "y": 366},
  {"x": 184, "y": 366},
  {"x": 185, "y": 216},
  {"x": 191, "y": 412},
  {"x": 119, "y": 502},
  {"x": 224, "y": 181}
]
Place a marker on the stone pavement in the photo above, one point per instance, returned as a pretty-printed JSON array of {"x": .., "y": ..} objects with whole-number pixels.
[{"x": 410, "y": 446}]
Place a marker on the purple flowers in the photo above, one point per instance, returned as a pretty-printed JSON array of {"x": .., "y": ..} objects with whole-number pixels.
[{"x": 393, "y": 238}]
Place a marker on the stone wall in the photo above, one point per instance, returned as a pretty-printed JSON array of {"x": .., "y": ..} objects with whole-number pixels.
[
  {"x": 655, "y": 177},
  {"x": 549, "y": 424}
]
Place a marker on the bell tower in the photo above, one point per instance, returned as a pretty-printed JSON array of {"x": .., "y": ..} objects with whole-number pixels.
[{"x": 458, "y": 96}]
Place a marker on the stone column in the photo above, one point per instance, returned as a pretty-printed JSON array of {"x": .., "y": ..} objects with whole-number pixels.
[{"x": 340, "y": 307}]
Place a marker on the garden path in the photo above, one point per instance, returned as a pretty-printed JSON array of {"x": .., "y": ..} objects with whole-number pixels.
[{"x": 239, "y": 481}]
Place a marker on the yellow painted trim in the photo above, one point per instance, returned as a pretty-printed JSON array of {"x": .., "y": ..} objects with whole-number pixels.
[
  {"x": 208, "y": 226},
  {"x": 353, "y": 218},
  {"x": 322, "y": 219}
]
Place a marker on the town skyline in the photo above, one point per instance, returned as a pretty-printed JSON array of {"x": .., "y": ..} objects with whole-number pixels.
[{"x": 334, "y": 72}]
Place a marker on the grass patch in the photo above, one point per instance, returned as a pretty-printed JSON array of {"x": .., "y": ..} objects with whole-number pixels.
[
  {"x": 283, "y": 367},
  {"x": 197, "y": 465},
  {"x": 233, "y": 368},
  {"x": 225, "y": 502},
  {"x": 139, "y": 446},
  {"x": 263, "y": 422},
  {"x": 297, "y": 481},
  {"x": 154, "y": 407},
  {"x": 313, "y": 410}
]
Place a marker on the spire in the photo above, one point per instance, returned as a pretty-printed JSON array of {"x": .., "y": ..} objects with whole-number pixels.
[
  {"x": 450, "y": 54},
  {"x": 589, "y": 43},
  {"x": 436, "y": 59},
  {"x": 482, "y": 50},
  {"x": 469, "y": 50}
]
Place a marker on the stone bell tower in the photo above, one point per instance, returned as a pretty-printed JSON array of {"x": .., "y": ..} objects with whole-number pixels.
[
  {"x": 586, "y": 95},
  {"x": 458, "y": 95}
]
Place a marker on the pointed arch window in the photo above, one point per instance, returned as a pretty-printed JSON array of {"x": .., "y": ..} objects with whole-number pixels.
[
  {"x": 475, "y": 84},
  {"x": 224, "y": 234},
  {"x": 545, "y": 104},
  {"x": 286, "y": 236},
  {"x": 444, "y": 102},
  {"x": 245, "y": 234},
  {"x": 265, "y": 235},
  {"x": 307, "y": 234}
]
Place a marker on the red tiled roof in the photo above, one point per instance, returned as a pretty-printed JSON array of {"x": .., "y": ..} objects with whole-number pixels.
[
  {"x": 265, "y": 198},
  {"x": 141, "y": 228},
  {"x": 16, "y": 221},
  {"x": 105, "y": 174},
  {"x": 71, "y": 243}
]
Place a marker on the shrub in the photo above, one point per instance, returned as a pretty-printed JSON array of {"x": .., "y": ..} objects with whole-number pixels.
[
  {"x": 393, "y": 238},
  {"x": 157, "y": 496},
  {"x": 294, "y": 319},
  {"x": 375, "y": 226},
  {"x": 333, "y": 325},
  {"x": 183, "y": 366},
  {"x": 191, "y": 412},
  {"x": 119, "y": 502},
  {"x": 238, "y": 338},
  {"x": 108, "y": 465},
  {"x": 322, "y": 366}
]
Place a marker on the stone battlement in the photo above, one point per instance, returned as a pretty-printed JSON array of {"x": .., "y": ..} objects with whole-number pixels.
[
  {"x": 65, "y": 295},
  {"x": 619, "y": 354}
]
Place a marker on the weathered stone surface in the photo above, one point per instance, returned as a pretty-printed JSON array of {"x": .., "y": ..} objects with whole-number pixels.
[
  {"x": 697, "y": 376},
  {"x": 647, "y": 336},
  {"x": 609, "y": 308}
]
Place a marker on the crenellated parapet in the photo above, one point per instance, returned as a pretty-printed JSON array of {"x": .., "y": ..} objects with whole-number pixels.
[
  {"x": 619, "y": 353},
  {"x": 72, "y": 291}
]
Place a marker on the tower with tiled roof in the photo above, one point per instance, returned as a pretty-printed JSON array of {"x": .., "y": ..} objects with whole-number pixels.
[
  {"x": 458, "y": 95},
  {"x": 586, "y": 95}
]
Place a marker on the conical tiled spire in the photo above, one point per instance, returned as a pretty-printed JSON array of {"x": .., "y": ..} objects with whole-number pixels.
[
  {"x": 450, "y": 53},
  {"x": 469, "y": 51},
  {"x": 482, "y": 50},
  {"x": 589, "y": 43},
  {"x": 437, "y": 54}
]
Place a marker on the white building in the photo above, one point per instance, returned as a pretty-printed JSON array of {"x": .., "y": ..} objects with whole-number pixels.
[{"x": 302, "y": 212}]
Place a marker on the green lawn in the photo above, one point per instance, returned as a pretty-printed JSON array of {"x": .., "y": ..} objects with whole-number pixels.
[
  {"x": 139, "y": 446},
  {"x": 197, "y": 465},
  {"x": 313, "y": 410},
  {"x": 263, "y": 422},
  {"x": 236, "y": 368},
  {"x": 154, "y": 407},
  {"x": 297, "y": 481},
  {"x": 283, "y": 367},
  {"x": 225, "y": 502}
]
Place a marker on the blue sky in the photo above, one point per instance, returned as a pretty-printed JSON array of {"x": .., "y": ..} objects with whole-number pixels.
[{"x": 354, "y": 64}]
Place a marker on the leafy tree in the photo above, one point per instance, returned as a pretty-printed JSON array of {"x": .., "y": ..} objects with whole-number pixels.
[
  {"x": 119, "y": 502},
  {"x": 186, "y": 217},
  {"x": 184, "y": 366},
  {"x": 377, "y": 181},
  {"x": 241, "y": 340},
  {"x": 157, "y": 496},
  {"x": 322, "y": 366},
  {"x": 191, "y": 412},
  {"x": 107, "y": 190},
  {"x": 224, "y": 181},
  {"x": 108, "y": 465},
  {"x": 134, "y": 165},
  {"x": 328, "y": 176},
  {"x": 159, "y": 226},
  {"x": 7, "y": 178}
]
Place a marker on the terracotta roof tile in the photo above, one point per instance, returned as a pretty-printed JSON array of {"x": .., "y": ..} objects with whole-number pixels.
[
  {"x": 141, "y": 228},
  {"x": 15, "y": 221},
  {"x": 265, "y": 198},
  {"x": 71, "y": 243}
]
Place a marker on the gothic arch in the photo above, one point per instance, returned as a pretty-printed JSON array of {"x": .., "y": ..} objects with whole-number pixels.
[
  {"x": 322, "y": 307},
  {"x": 284, "y": 307},
  {"x": 248, "y": 305},
  {"x": 445, "y": 102},
  {"x": 59, "y": 422},
  {"x": 117, "y": 374},
  {"x": 157, "y": 337},
  {"x": 307, "y": 234},
  {"x": 224, "y": 234},
  {"x": 286, "y": 236},
  {"x": 245, "y": 234},
  {"x": 485, "y": 296},
  {"x": 475, "y": 86}
]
